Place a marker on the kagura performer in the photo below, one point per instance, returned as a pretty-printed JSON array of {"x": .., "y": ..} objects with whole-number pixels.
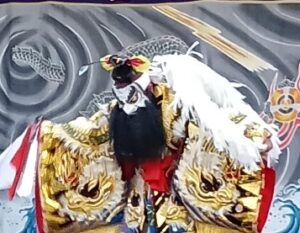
[{"x": 177, "y": 150}]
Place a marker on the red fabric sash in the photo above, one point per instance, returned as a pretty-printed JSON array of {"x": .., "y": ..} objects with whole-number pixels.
[
  {"x": 38, "y": 205},
  {"x": 269, "y": 178},
  {"x": 38, "y": 202},
  {"x": 155, "y": 173}
]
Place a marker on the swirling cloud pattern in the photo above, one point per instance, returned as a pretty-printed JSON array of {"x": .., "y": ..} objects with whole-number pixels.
[{"x": 73, "y": 35}]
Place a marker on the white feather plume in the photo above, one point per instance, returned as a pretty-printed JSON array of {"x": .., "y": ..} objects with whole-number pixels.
[{"x": 212, "y": 97}]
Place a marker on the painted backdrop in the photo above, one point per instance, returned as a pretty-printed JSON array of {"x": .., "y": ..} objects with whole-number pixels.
[{"x": 42, "y": 47}]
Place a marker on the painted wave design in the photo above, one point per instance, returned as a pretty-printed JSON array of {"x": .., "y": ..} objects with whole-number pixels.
[{"x": 285, "y": 212}]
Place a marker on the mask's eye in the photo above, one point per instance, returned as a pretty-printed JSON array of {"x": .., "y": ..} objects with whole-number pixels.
[
  {"x": 133, "y": 99},
  {"x": 133, "y": 96}
]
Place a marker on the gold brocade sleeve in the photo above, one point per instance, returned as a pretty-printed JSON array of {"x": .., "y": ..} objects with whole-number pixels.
[
  {"x": 220, "y": 195},
  {"x": 80, "y": 178}
]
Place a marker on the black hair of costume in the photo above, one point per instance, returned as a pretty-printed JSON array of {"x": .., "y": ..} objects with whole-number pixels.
[{"x": 137, "y": 137}]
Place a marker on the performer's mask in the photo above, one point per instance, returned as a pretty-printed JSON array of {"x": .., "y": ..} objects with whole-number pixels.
[
  {"x": 132, "y": 96},
  {"x": 130, "y": 76}
]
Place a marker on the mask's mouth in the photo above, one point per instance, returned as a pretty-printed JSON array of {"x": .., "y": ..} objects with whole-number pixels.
[
  {"x": 123, "y": 83},
  {"x": 120, "y": 85}
]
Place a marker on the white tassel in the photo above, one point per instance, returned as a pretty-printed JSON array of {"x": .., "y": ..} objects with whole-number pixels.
[{"x": 26, "y": 184}]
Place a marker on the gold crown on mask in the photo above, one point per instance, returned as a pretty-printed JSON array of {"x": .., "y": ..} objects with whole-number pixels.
[{"x": 139, "y": 63}]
